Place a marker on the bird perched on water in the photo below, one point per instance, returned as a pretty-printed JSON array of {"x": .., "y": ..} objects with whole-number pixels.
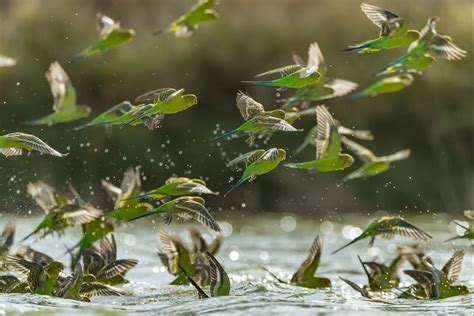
[
  {"x": 295, "y": 76},
  {"x": 394, "y": 31},
  {"x": 111, "y": 35},
  {"x": 13, "y": 144},
  {"x": 186, "y": 24},
  {"x": 386, "y": 85},
  {"x": 387, "y": 227},
  {"x": 328, "y": 146},
  {"x": 104, "y": 265},
  {"x": 185, "y": 207},
  {"x": 40, "y": 277},
  {"x": 424, "y": 52},
  {"x": 65, "y": 107},
  {"x": 176, "y": 186},
  {"x": 305, "y": 277},
  {"x": 324, "y": 89},
  {"x": 257, "y": 163},
  {"x": 310, "y": 138},
  {"x": 372, "y": 165},
  {"x": 382, "y": 277},
  {"x": 437, "y": 284},
  {"x": 6, "y": 61},
  {"x": 257, "y": 120}
]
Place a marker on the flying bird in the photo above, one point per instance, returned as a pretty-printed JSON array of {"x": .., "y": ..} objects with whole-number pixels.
[
  {"x": 394, "y": 31},
  {"x": 111, "y": 35},
  {"x": 295, "y": 76},
  {"x": 328, "y": 146},
  {"x": 372, "y": 165},
  {"x": 386, "y": 85},
  {"x": 424, "y": 52},
  {"x": 65, "y": 107},
  {"x": 186, "y": 24}
]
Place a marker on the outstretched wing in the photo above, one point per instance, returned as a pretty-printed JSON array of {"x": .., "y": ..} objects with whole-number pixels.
[
  {"x": 248, "y": 107},
  {"x": 328, "y": 140},
  {"x": 442, "y": 47},
  {"x": 106, "y": 25},
  {"x": 388, "y": 228},
  {"x": 247, "y": 158},
  {"x": 362, "y": 152},
  {"x": 315, "y": 59},
  {"x": 62, "y": 90},
  {"x": 399, "y": 155},
  {"x": 117, "y": 267},
  {"x": 28, "y": 142},
  {"x": 92, "y": 289},
  {"x": 282, "y": 71},
  {"x": 311, "y": 263},
  {"x": 108, "y": 248},
  {"x": 452, "y": 268},
  {"x": 193, "y": 208},
  {"x": 380, "y": 17},
  {"x": 219, "y": 278},
  {"x": 157, "y": 95}
]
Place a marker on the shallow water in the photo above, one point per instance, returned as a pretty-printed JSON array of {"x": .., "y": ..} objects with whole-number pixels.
[{"x": 278, "y": 241}]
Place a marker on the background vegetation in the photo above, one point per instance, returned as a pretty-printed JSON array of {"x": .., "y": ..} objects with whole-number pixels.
[{"x": 434, "y": 117}]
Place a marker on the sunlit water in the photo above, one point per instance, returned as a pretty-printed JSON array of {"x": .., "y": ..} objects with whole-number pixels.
[{"x": 277, "y": 241}]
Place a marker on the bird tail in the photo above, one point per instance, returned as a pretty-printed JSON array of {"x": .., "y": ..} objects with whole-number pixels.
[
  {"x": 273, "y": 274},
  {"x": 264, "y": 83},
  {"x": 141, "y": 216},
  {"x": 358, "y": 48},
  {"x": 354, "y": 96},
  {"x": 301, "y": 148},
  {"x": 77, "y": 58},
  {"x": 231, "y": 133},
  {"x": 452, "y": 238},
  {"x": 235, "y": 186},
  {"x": 363, "y": 266},
  {"x": 137, "y": 197},
  {"x": 28, "y": 236},
  {"x": 202, "y": 294},
  {"x": 348, "y": 244}
]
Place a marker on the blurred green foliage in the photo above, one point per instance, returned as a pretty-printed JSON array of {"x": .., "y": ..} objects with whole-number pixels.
[{"x": 434, "y": 117}]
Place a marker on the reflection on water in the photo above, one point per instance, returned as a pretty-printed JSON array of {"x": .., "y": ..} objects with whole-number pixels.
[{"x": 278, "y": 241}]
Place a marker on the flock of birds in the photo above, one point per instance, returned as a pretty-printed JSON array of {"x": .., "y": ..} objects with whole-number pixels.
[{"x": 95, "y": 270}]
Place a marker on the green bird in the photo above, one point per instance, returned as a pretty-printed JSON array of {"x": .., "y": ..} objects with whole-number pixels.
[
  {"x": 41, "y": 278},
  {"x": 324, "y": 89},
  {"x": 6, "y": 61},
  {"x": 111, "y": 35},
  {"x": 372, "y": 165},
  {"x": 185, "y": 207},
  {"x": 65, "y": 107},
  {"x": 305, "y": 275},
  {"x": 13, "y": 144},
  {"x": 328, "y": 146},
  {"x": 386, "y": 85},
  {"x": 387, "y": 227},
  {"x": 468, "y": 233},
  {"x": 177, "y": 186},
  {"x": 382, "y": 277},
  {"x": 437, "y": 284},
  {"x": 310, "y": 137},
  {"x": 394, "y": 31},
  {"x": 164, "y": 101},
  {"x": 109, "y": 116},
  {"x": 104, "y": 265},
  {"x": 186, "y": 24},
  {"x": 220, "y": 282},
  {"x": 175, "y": 257},
  {"x": 199, "y": 256},
  {"x": 257, "y": 120},
  {"x": 424, "y": 52},
  {"x": 82, "y": 287},
  {"x": 62, "y": 217},
  {"x": 257, "y": 163},
  {"x": 295, "y": 76}
]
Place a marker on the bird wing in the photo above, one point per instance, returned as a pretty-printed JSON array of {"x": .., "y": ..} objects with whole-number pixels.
[
  {"x": 7, "y": 235},
  {"x": 22, "y": 266},
  {"x": 131, "y": 183},
  {"x": 106, "y": 25},
  {"x": 339, "y": 87},
  {"x": 117, "y": 267},
  {"x": 217, "y": 273},
  {"x": 380, "y": 17},
  {"x": 399, "y": 155},
  {"x": 424, "y": 278},
  {"x": 197, "y": 240},
  {"x": 157, "y": 95},
  {"x": 362, "y": 152},
  {"x": 282, "y": 71},
  {"x": 356, "y": 287},
  {"x": 328, "y": 140},
  {"x": 357, "y": 133},
  {"x": 442, "y": 47},
  {"x": 108, "y": 248},
  {"x": 248, "y": 107},
  {"x": 247, "y": 158},
  {"x": 169, "y": 251},
  {"x": 33, "y": 255},
  {"x": 192, "y": 208},
  {"x": 311, "y": 263},
  {"x": 75, "y": 215},
  {"x": 315, "y": 56},
  {"x": 215, "y": 245},
  {"x": 92, "y": 289},
  {"x": 43, "y": 194},
  {"x": 30, "y": 142},
  {"x": 62, "y": 89},
  {"x": 452, "y": 268},
  {"x": 273, "y": 123},
  {"x": 398, "y": 226}
]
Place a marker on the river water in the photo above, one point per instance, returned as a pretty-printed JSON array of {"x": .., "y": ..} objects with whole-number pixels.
[{"x": 278, "y": 241}]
